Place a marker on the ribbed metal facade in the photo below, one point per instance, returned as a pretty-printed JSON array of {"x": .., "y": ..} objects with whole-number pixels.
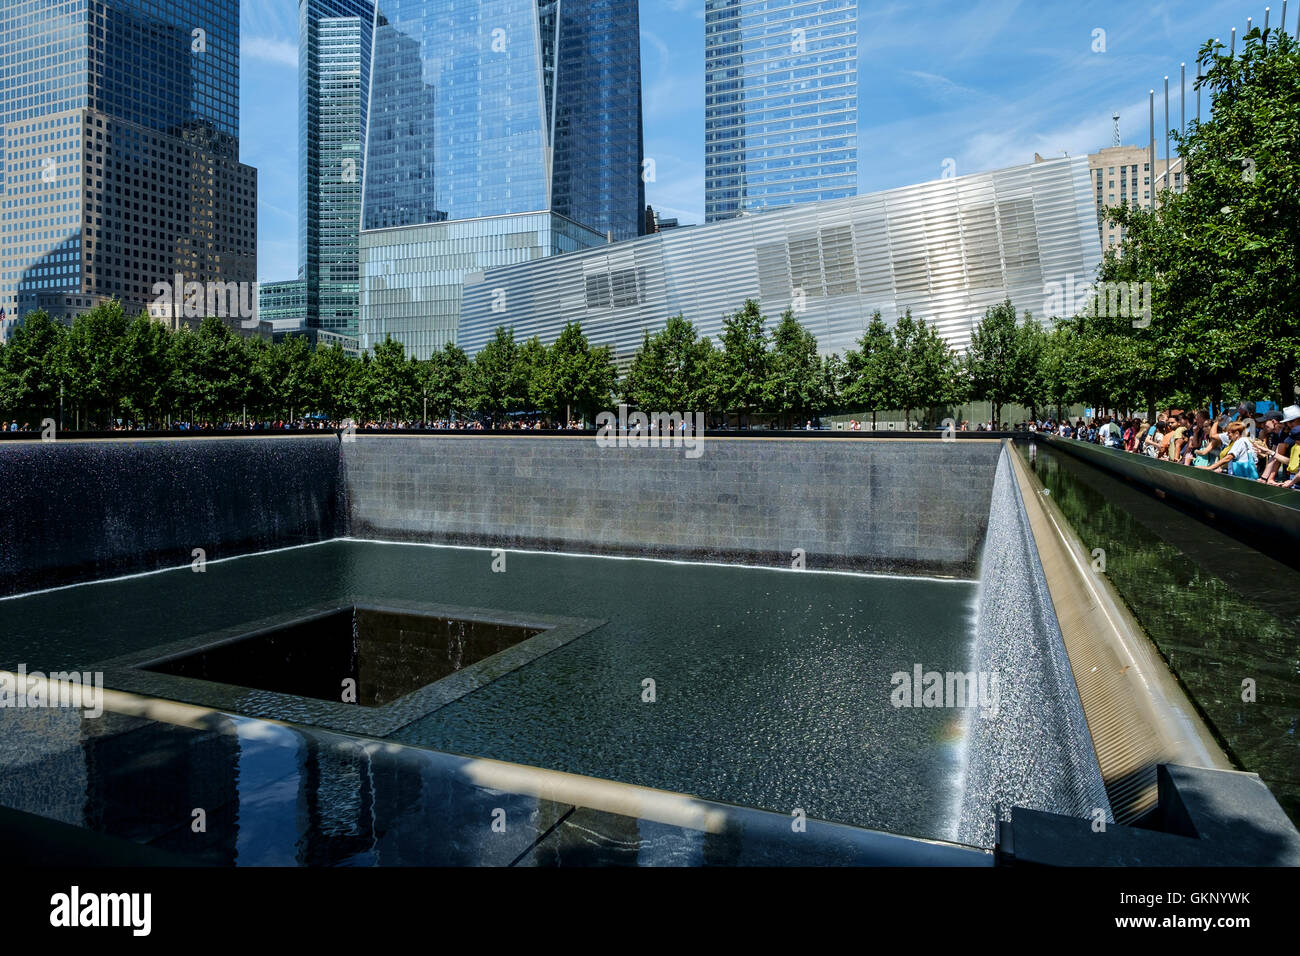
[{"x": 946, "y": 249}]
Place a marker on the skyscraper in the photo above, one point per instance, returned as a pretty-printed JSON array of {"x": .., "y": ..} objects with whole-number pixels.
[
  {"x": 119, "y": 154},
  {"x": 497, "y": 131},
  {"x": 781, "y": 103},
  {"x": 334, "y": 50}
]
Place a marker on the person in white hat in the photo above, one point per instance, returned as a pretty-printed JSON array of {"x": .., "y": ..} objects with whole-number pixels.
[{"x": 1289, "y": 441}]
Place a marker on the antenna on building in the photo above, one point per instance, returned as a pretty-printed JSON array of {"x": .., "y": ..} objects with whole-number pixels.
[{"x": 1114, "y": 139}]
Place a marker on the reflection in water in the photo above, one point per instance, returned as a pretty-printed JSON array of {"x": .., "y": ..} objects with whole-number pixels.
[{"x": 1219, "y": 611}]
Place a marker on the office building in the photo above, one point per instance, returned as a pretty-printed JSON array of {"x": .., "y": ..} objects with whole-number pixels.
[
  {"x": 119, "y": 157},
  {"x": 1121, "y": 176},
  {"x": 334, "y": 52},
  {"x": 781, "y": 104},
  {"x": 497, "y": 131}
]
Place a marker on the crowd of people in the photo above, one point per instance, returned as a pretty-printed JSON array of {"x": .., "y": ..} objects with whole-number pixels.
[{"x": 1258, "y": 446}]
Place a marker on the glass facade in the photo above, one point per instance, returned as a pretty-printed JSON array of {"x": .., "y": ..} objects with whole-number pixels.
[
  {"x": 781, "y": 103},
  {"x": 520, "y": 120},
  {"x": 334, "y": 56},
  {"x": 282, "y": 303},
  {"x": 119, "y": 148},
  {"x": 597, "y": 177},
  {"x": 412, "y": 276}
]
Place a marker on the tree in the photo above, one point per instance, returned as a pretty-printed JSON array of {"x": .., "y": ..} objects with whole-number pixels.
[
  {"x": 535, "y": 371},
  {"x": 330, "y": 370},
  {"x": 1055, "y": 367},
  {"x": 928, "y": 373},
  {"x": 833, "y": 374},
  {"x": 671, "y": 370},
  {"x": 497, "y": 380},
  {"x": 1031, "y": 391},
  {"x": 220, "y": 380},
  {"x": 445, "y": 381},
  {"x": 94, "y": 361},
  {"x": 872, "y": 370},
  {"x": 996, "y": 363},
  {"x": 360, "y": 389},
  {"x": 148, "y": 357},
  {"x": 578, "y": 376},
  {"x": 796, "y": 384},
  {"x": 1221, "y": 256},
  {"x": 32, "y": 369},
  {"x": 392, "y": 379},
  {"x": 742, "y": 368}
]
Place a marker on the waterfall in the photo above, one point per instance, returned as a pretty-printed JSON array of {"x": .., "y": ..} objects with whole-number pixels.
[{"x": 1036, "y": 750}]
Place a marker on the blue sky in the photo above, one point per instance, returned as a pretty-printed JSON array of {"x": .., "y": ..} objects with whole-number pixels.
[{"x": 985, "y": 83}]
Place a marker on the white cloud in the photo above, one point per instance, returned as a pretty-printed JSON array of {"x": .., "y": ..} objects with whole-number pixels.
[{"x": 270, "y": 50}]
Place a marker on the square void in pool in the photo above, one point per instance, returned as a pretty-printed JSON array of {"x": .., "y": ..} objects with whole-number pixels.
[
  {"x": 358, "y": 666},
  {"x": 380, "y": 655}
]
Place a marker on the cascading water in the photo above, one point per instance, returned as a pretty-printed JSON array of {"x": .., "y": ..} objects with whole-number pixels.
[
  {"x": 94, "y": 509},
  {"x": 1034, "y": 750}
]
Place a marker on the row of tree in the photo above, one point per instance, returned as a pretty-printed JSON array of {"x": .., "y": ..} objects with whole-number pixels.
[{"x": 107, "y": 368}]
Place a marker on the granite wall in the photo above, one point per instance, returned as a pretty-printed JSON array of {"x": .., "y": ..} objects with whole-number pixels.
[
  {"x": 79, "y": 510},
  {"x": 903, "y": 506}
]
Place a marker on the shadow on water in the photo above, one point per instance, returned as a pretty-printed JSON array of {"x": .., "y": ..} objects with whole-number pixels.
[{"x": 1219, "y": 611}]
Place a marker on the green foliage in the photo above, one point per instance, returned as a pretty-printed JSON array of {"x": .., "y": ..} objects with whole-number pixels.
[
  {"x": 795, "y": 387},
  {"x": 329, "y": 378},
  {"x": 1222, "y": 255},
  {"x": 32, "y": 369},
  {"x": 93, "y": 364},
  {"x": 445, "y": 381},
  {"x": 497, "y": 382},
  {"x": 147, "y": 353},
  {"x": 391, "y": 380},
  {"x": 742, "y": 371},
  {"x": 928, "y": 373},
  {"x": 578, "y": 377},
  {"x": 997, "y": 365},
  {"x": 872, "y": 370},
  {"x": 672, "y": 371}
]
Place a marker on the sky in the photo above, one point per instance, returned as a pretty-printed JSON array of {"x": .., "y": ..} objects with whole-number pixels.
[{"x": 975, "y": 84}]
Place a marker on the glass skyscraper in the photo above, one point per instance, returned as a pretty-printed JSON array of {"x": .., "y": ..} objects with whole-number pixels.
[
  {"x": 497, "y": 131},
  {"x": 119, "y": 152},
  {"x": 334, "y": 50},
  {"x": 781, "y": 103}
]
